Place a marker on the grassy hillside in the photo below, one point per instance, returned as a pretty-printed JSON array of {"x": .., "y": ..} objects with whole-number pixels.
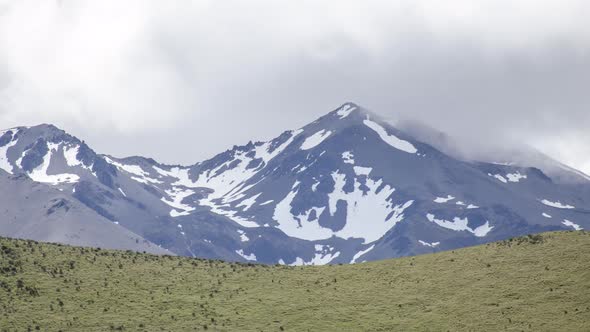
[{"x": 537, "y": 283}]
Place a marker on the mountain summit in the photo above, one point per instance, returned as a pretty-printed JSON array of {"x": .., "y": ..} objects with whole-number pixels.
[{"x": 346, "y": 188}]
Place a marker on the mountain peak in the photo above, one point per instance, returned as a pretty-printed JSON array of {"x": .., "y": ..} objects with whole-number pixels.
[
  {"x": 352, "y": 112},
  {"x": 48, "y": 126},
  {"x": 346, "y": 109},
  {"x": 47, "y": 131},
  {"x": 351, "y": 115}
]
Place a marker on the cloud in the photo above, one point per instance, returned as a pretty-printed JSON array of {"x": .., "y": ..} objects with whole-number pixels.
[{"x": 181, "y": 81}]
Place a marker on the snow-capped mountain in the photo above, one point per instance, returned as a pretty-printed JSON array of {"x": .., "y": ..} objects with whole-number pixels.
[{"x": 346, "y": 188}]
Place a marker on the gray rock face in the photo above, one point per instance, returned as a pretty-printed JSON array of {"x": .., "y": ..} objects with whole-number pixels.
[
  {"x": 35, "y": 211},
  {"x": 346, "y": 188}
]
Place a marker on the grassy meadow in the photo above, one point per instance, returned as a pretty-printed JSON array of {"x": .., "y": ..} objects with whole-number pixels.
[{"x": 534, "y": 283}]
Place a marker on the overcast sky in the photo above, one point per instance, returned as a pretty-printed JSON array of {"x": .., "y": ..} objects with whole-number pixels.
[{"x": 182, "y": 80}]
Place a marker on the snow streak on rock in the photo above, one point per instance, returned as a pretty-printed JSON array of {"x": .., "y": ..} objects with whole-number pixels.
[
  {"x": 458, "y": 224},
  {"x": 557, "y": 204},
  {"x": 389, "y": 138}
]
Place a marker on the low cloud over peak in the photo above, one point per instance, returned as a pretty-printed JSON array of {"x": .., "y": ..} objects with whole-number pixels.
[{"x": 147, "y": 77}]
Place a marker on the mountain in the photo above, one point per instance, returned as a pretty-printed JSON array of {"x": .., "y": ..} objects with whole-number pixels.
[
  {"x": 534, "y": 283},
  {"x": 346, "y": 188}
]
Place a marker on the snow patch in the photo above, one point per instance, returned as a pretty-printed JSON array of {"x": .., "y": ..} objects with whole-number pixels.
[
  {"x": 362, "y": 207},
  {"x": 427, "y": 244},
  {"x": 360, "y": 253},
  {"x": 298, "y": 262},
  {"x": 247, "y": 203},
  {"x": 39, "y": 174},
  {"x": 324, "y": 255},
  {"x": 315, "y": 139},
  {"x": 345, "y": 111},
  {"x": 500, "y": 178},
  {"x": 140, "y": 175},
  {"x": 557, "y": 204},
  {"x": 515, "y": 177},
  {"x": 70, "y": 154},
  {"x": 370, "y": 214},
  {"x": 572, "y": 225},
  {"x": 348, "y": 157},
  {"x": 510, "y": 177},
  {"x": 4, "y": 164},
  {"x": 177, "y": 195},
  {"x": 441, "y": 200},
  {"x": 503, "y": 163},
  {"x": 459, "y": 224},
  {"x": 179, "y": 173},
  {"x": 390, "y": 139},
  {"x": 229, "y": 185},
  {"x": 229, "y": 214},
  {"x": 362, "y": 170},
  {"x": 230, "y": 181},
  {"x": 250, "y": 257},
  {"x": 243, "y": 236},
  {"x": 299, "y": 226}
]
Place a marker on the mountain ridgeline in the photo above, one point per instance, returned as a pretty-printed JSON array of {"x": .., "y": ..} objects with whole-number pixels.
[{"x": 346, "y": 188}]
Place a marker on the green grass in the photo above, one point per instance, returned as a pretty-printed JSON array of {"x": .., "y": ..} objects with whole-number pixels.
[{"x": 535, "y": 283}]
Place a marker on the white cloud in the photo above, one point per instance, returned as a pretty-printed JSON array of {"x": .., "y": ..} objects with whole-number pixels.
[{"x": 137, "y": 76}]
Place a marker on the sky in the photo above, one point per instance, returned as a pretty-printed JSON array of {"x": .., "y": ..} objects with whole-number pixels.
[{"x": 180, "y": 81}]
